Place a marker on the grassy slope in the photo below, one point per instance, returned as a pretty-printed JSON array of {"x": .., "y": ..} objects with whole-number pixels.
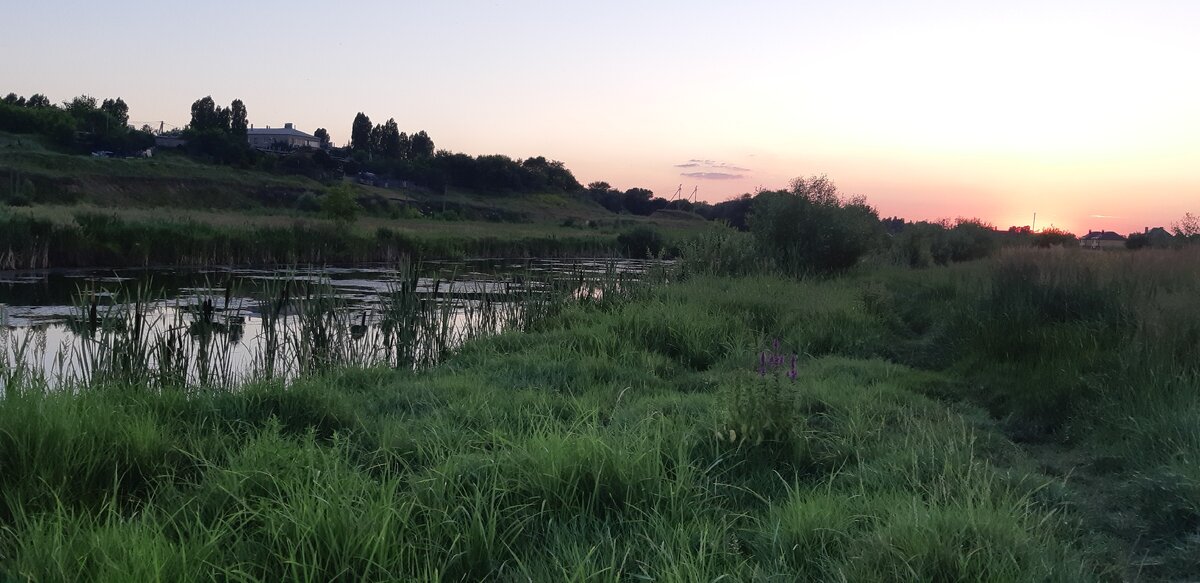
[
  {"x": 616, "y": 442},
  {"x": 238, "y": 204}
]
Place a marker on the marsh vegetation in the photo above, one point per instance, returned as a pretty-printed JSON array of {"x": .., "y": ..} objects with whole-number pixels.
[{"x": 1027, "y": 417}]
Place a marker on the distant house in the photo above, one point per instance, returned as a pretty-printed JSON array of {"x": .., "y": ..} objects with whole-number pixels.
[
  {"x": 1102, "y": 240},
  {"x": 269, "y": 138},
  {"x": 1159, "y": 237}
]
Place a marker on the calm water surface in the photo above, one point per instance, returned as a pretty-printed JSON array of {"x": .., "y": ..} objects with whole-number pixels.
[{"x": 221, "y": 313}]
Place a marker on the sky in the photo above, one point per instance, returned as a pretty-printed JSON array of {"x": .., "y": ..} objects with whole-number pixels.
[{"x": 1086, "y": 113}]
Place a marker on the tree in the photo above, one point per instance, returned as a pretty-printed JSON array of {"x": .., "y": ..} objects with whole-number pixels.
[
  {"x": 204, "y": 114},
  {"x": 1188, "y": 228},
  {"x": 1052, "y": 236},
  {"x": 811, "y": 229},
  {"x": 38, "y": 101},
  {"x": 117, "y": 109},
  {"x": 323, "y": 135},
  {"x": 12, "y": 99},
  {"x": 360, "y": 133},
  {"x": 1137, "y": 241},
  {"x": 639, "y": 201},
  {"x": 385, "y": 140},
  {"x": 224, "y": 120},
  {"x": 421, "y": 146},
  {"x": 238, "y": 123},
  {"x": 80, "y": 104},
  {"x": 405, "y": 152}
]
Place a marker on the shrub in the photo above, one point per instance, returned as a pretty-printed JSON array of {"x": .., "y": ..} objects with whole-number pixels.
[
  {"x": 1054, "y": 237},
  {"x": 339, "y": 205},
  {"x": 308, "y": 203},
  {"x": 719, "y": 252},
  {"x": 641, "y": 242},
  {"x": 811, "y": 229},
  {"x": 923, "y": 244}
]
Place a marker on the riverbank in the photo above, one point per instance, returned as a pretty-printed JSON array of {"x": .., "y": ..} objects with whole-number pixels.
[
  {"x": 59, "y": 210},
  {"x": 70, "y": 237},
  {"x": 664, "y": 436}
]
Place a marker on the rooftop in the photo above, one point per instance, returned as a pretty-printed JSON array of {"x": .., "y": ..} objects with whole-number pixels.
[
  {"x": 286, "y": 130},
  {"x": 1102, "y": 236}
]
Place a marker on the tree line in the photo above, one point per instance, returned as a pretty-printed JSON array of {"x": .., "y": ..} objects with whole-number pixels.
[{"x": 82, "y": 124}]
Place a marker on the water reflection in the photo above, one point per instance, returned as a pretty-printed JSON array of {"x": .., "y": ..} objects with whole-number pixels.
[{"x": 212, "y": 327}]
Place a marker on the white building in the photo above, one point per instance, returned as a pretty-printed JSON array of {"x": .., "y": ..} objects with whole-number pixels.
[{"x": 268, "y": 138}]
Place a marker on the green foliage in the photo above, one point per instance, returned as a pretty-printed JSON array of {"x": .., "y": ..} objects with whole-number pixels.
[
  {"x": 640, "y": 243},
  {"x": 809, "y": 229},
  {"x": 340, "y": 205},
  {"x": 80, "y": 124},
  {"x": 218, "y": 134},
  {"x": 924, "y": 244},
  {"x": 581, "y": 450},
  {"x": 719, "y": 252},
  {"x": 308, "y": 203}
]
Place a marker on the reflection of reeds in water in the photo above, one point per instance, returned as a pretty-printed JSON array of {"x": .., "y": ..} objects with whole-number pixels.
[{"x": 301, "y": 327}]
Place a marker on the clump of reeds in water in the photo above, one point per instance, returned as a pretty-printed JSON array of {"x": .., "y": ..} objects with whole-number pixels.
[{"x": 295, "y": 327}]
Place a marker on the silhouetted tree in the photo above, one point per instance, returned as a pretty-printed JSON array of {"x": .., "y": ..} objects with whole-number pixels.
[
  {"x": 238, "y": 123},
  {"x": 38, "y": 101},
  {"x": 204, "y": 114},
  {"x": 118, "y": 109},
  {"x": 1187, "y": 228},
  {"x": 421, "y": 146},
  {"x": 639, "y": 201},
  {"x": 386, "y": 140},
  {"x": 360, "y": 133},
  {"x": 405, "y": 152},
  {"x": 323, "y": 135}
]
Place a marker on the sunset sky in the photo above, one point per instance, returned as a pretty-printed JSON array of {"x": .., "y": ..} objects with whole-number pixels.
[{"x": 1085, "y": 112}]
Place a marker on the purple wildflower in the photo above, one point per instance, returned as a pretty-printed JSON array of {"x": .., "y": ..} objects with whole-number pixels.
[{"x": 792, "y": 373}]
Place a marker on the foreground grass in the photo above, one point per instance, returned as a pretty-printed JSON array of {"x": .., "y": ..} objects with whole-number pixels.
[{"x": 632, "y": 441}]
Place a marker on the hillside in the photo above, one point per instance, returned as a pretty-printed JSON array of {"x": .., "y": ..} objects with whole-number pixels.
[{"x": 219, "y": 208}]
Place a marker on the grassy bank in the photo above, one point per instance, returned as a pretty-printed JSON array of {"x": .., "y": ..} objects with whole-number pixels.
[
  {"x": 660, "y": 437},
  {"x": 59, "y": 210},
  {"x": 104, "y": 239},
  {"x": 64, "y": 237}
]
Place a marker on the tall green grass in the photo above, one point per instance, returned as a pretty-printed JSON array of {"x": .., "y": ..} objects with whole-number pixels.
[
  {"x": 97, "y": 239},
  {"x": 591, "y": 446}
]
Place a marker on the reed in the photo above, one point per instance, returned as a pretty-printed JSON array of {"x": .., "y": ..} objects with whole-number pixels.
[{"x": 298, "y": 327}]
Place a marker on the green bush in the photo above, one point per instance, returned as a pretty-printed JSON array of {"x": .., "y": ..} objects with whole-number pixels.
[
  {"x": 308, "y": 203},
  {"x": 641, "y": 243},
  {"x": 923, "y": 244},
  {"x": 719, "y": 252},
  {"x": 339, "y": 205},
  {"x": 811, "y": 229}
]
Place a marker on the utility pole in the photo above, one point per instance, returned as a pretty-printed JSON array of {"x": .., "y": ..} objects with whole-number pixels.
[{"x": 1034, "y": 227}]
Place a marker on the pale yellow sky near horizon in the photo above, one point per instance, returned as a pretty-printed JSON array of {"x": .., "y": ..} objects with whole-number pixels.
[{"x": 1083, "y": 112}]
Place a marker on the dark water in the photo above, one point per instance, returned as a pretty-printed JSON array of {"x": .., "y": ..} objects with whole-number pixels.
[{"x": 44, "y": 316}]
